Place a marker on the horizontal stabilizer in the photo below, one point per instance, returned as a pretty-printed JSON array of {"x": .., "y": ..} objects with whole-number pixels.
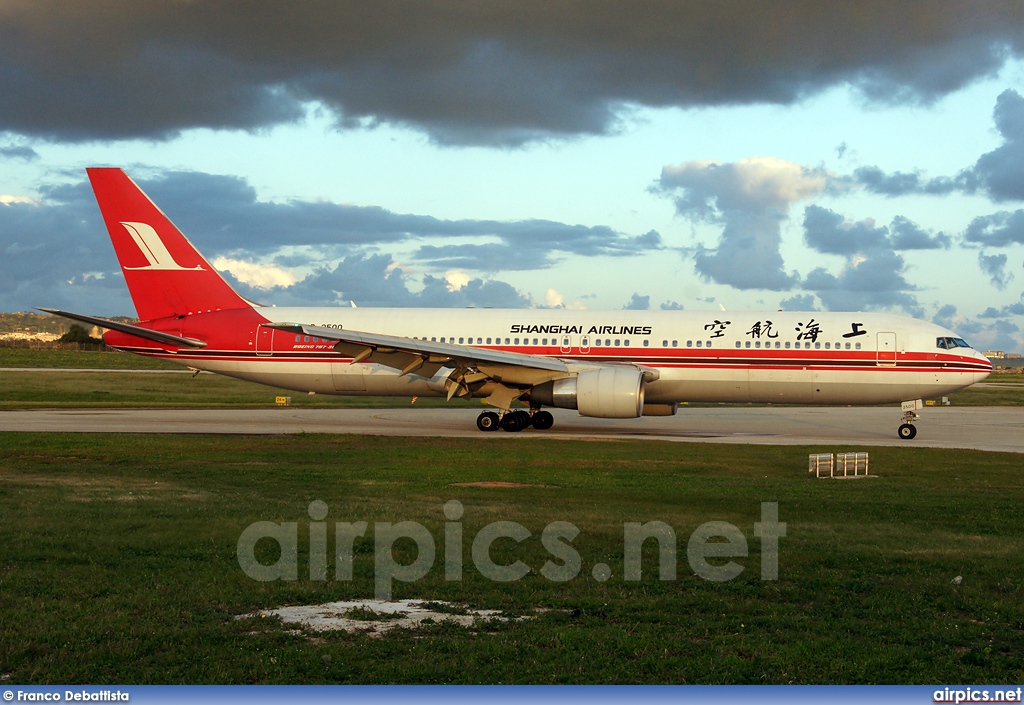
[{"x": 137, "y": 331}]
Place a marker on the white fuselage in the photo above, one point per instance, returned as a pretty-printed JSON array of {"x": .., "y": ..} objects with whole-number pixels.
[{"x": 713, "y": 356}]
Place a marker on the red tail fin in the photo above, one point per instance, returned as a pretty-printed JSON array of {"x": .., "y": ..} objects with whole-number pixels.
[{"x": 165, "y": 274}]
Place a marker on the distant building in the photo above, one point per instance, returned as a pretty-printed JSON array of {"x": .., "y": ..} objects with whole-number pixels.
[
  {"x": 1013, "y": 356},
  {"x": 994, "y": 354}
]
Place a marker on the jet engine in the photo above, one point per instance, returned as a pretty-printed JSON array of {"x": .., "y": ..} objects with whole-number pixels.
[{"x": 607, "y": 392}]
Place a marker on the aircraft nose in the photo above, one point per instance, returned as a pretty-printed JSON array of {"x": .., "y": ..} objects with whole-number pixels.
[{"x": 979, "y": 376}]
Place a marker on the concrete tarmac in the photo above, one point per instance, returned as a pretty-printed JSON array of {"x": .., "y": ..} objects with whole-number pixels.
[{"x": 981, "y": 428}]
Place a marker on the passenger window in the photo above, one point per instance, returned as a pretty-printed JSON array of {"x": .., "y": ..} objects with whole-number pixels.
[
  {"x": 777, "y": 345},
  {"x": 664, "y": 343},
  {"x": 616, "y": 343},
  {"x": 626, "y": 343},
  {"x": 739, "y": 344},
  {"x": 647, "y": 343},
  {"x": 534, "y": 341},
  {"x": 787, "y": 345},
  {"x": 698, "y": 343},
  {"x": 858, "y": 346},
  {"x": 488, "y": 341},
  {"x": 817, "y": 346},
  {"x": 847, "y": 346},
  {"x": 757, "y": 343},
  {"x": 298, "y": 339},
  {"x": 707, "y": 344},
  {"x": 747, "y": 344},
  {"x": 305, "y": 339},
  {"x": 689, "y": 343},
  {"x": 675, "y": 343},
  {"x": 607, "y": 342},
  {"x": 828, "y": 345},
  {"x": 597, "y": 342}
]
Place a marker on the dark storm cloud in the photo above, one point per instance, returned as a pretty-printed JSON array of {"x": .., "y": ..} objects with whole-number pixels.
[
  {"x": 1015, "y": 309},
  {"x": 751, "y": 198},
  {"x": 873, "y": 275},
  {"x": 671, "y": 306},
  {"x": 829, "y": 233},
  {"x": 13, "y": 151},
  {"x": 997, "y": 230},
  {"x": 907, "y": 235},
  {"x": 998, "y": 174},
  {"x": 373, "y": 280},
  {"x": 995, "y": 267},
  {"x": 798, "y": 302},
  {"x": 222, "y": 215},
  {"x": 533, "y": 244},
  {"x": 467, "y": 72},
  {"x": 52, "y": 250},
  {"x": 637, "y": 303},
  {"x": 901, "y": 183}
]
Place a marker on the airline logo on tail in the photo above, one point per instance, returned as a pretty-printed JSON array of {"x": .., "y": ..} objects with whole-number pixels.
[{"x": 153, "y": 249}]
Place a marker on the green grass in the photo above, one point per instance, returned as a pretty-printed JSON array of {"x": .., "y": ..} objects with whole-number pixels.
[
  {"x": 40, "y": 390},
  {"x": 117, "y": 562},
  {"x": 81, "y": 359}
]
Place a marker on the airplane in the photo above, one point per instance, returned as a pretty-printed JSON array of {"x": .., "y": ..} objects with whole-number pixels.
[{"x": 603, "y": 364}]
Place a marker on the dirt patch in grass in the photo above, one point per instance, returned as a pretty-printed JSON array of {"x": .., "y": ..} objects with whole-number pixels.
[{"x": 496, "y": 484}]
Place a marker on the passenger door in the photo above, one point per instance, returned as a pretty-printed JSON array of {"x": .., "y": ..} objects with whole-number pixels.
[{"x": 886, "y": 350}]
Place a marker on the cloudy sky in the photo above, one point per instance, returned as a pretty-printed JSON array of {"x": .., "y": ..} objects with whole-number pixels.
[{"x": 797, "y": 155}]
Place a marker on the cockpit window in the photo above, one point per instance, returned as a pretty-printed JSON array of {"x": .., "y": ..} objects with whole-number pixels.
[{"x": 951, "y": 343}]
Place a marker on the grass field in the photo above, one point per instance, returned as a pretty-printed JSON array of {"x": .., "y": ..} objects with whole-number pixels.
[
  {"x": 26, "y": 390},
  {"x": 117, "y": 562}
]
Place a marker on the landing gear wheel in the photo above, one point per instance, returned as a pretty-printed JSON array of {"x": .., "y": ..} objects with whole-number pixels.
[
  {"x": 514, "y": 421},
  {"x": 907, "y": 431},
  {"x": 487, "y": 421},
  {"x": 543, "y": 420}
]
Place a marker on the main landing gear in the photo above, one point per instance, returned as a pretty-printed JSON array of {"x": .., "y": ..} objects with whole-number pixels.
[{"x": 514, "y": 421}]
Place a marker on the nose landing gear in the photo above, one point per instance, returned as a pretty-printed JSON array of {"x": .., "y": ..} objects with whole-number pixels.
[{"x": 907, "y": 429}]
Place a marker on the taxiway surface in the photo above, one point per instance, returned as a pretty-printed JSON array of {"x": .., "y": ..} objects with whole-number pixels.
[{"x": 979, "y": 428}]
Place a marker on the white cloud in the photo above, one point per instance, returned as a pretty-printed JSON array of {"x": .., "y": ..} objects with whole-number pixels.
[
  {"x": 7, "y": 199},
  {"x": 261, "y": 276},
  {"x": 752, "y": 182},
  {"x": 456, "y": 278},
  {"x": 553, "y": 298}
]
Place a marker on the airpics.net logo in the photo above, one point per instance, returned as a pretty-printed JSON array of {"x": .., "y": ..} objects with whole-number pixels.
[{"x": 708, "y": 546}]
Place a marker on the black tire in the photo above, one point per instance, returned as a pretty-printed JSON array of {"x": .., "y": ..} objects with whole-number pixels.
[
  {"x": 487, "y": 421},
  {"x": 513, "y": 422},
  {"x": 543, "y": 420},
  {"x": 907, "y": 431}
]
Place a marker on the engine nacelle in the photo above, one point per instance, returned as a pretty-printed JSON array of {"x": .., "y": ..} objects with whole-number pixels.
[{"x": 607, "y": 393}]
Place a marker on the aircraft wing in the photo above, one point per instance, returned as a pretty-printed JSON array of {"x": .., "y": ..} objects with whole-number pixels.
[{"x": 470, "y": 365}]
